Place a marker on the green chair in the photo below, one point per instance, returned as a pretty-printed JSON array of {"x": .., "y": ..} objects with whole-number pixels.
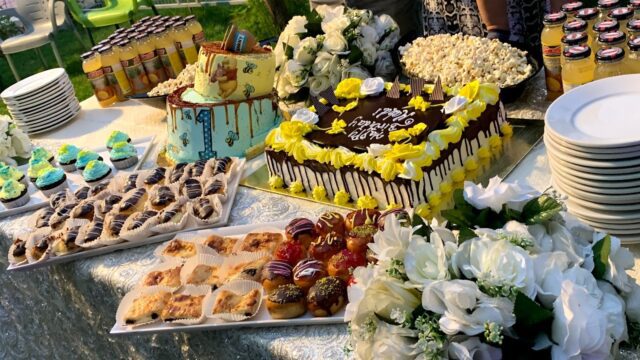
[{"x": 114, "y": 12}]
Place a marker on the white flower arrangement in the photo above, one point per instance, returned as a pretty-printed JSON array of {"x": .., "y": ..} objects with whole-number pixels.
[
  {"x": 332, "y": 44},
  {"x": 509, "y": 273},
  {"x": 13, "y": 141}
]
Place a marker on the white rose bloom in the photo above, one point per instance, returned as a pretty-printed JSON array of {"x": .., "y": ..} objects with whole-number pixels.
[
  {"x": 305, "y": 51},
  {"x": 426, "y": 261},
  {"x": 368, "y": 51},
  {"x": 464, "y": 308},
  {"x": 498, "y": 193},
  {"x": 390, "y": 41},
  {"x": 383, "y": 295},
  {"x": 284, "y": 88},
  {"x": 473, "y": 348},
  {"x": 334, "y": 43},
  {"x": 394, "y": 342},
  {"x": 296, "y": 73},
  {"x": 582, "y": 233},
  {"x": 297, "y": 25},
  {"x": 306, "y": 116},
  {"x": 620, "y": 260},
  {"x": 613, "y": 305},
  {"x": 498, "y": 263},
  {"x": 632, "y": 299},
  {"x": 409, "y": 170},
  {"x": 548, "y": 269},
  {"x": 369, "y": 34},
  {"x": 384, "y": 65},
  {"x": 512, "y": 231},
  {"x": 20, "y": 143},
  {"x": 335, "y": 25},
  {"x": 324, "y": 64},
  {"x": 392, "y": 242},
  {"x": 355, "y": 71},
  {"x": 329, "y": 12},
  {"x": 378, "y": 149},
  {"x": 318, "y": 84},
  {"x": 563, "y": 241},
  {"x": 383, "y": 24},
  {"x": 542, "y": 240},
  {"x": 362, "y": 278},
  {"x": 579, "y": 327},
  {"x": 372, "y": 86}
]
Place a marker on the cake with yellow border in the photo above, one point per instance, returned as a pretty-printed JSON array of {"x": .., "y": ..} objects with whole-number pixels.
[
  {"x": 229, "y": 108},
  {"x": 374, "y": 150}
]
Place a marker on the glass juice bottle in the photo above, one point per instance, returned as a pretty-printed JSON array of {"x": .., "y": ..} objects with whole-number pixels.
[
  {"x": 92, "y": 67},
  {"x": 622, "y": 15},
  {"x": 184, "y": 43},
  {"x": 590, "y": 15},
  {"x": 133, "y": 67},
  {"x": 633, "y": 28},
  {"x": 635, "y": 4},
  {"x": 167, "y": 51},
  {"x": 114, "y": 72},
  {"x": 634, "y": 55},
  {"x": 551, "y": 39},
  {"x": 611, "y": 39},
  {"x": 575, "y": 25},
  {"x": 605, "y": 6},
  {"x": 150, "y": 60},
  {"x": 578, "y": 67},
  {"x": 573, "y": 39},
  {"x": 196, "y": 30},
  {"x": 571, "y": 8},
  {"x": 604, "y": 26},
  {"x": 610, "y": 62}
]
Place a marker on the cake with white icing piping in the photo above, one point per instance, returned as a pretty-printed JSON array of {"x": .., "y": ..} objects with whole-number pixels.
[
  {"x": 228, "y": 110},
  {"x": 377, "y": 144}
]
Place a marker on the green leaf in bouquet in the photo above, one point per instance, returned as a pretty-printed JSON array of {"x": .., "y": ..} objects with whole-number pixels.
[
  {"x": 466, "y": 234},
  {"x": 529, "y": 313},
  {"x": 288, "y": 50},
  {"x": 424, "y": 229},
  {"x": 458, "y": 218},
  {"x": 509, "y": 214},
  {"x": 458, "y": 199},
  {"x": 314, "y": 22},
  {"x": 540, "y": 209},
  {"x": 355, "y": 54},
  {"x": 601, "y": 251}
]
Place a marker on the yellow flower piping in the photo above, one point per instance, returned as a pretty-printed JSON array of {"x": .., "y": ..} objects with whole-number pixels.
[
  {"x": 418, "y": 103},
  {"x": 423, "y": 210},
  {"x": 445, "y": 187},
  {"x": 435, "y": 198},
  {"x": 348, "y": 88},
  {"x": 342, "y": 109},
  {"x": 457, "y": 175},
  {"x": 393, "y": 206},
  {"x": 366, "y": 202},
  {"x": 296, "y": 187},
  {"x": 319, "y": 193},
  {"x": 506, "y": 129},
  {"x": 341, "y": 198},
  {"x": 337, "y": 127},
  {"x": 276, "y": 182}
]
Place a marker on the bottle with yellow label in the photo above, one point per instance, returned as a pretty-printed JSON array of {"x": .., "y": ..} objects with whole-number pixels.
[
  {"x": 634, "y": 55},
  {"x": 133, "y": 67},
  {"x": 572, "y": 8},
  {"x": 551, "y": 39},
  {"x": 578, "y": 67},
  {"x": 184, "y": 43},
  {"x": 167, "y": 51},
  {"x": 590, "y": 15},
  {"x": 196, "y": 30},
  {"x": 610, "y": 62},
  {"x": 573, "y": 39},
  {"x": 605, "y": 6},
  {"x": 92, "y": 67},
  {"x": 150, "y": 60},
  {"x": 611, "y": 39},
  {"x": 622, "y": 15},
  {"x": 114, "y": 72}
]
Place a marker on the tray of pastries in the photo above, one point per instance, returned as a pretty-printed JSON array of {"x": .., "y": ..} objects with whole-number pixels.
[
  {"x": 279, "y": 274},
  {"x": 128, "y": 210}
]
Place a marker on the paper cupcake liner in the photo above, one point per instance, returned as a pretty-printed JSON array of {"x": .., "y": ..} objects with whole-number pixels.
[
  {"x": 215, "y": 217},
  {"x": 170, "y": 171},
  {"x": 200, "y": 259},
  {"x": 194, "y": 291},
  {"x": 125, "y": 163},
  {"x": 55, "y": 189},
  {"x": 265, "y": 229},
  {"x": 199, "y": 249},
  {"x": 142, "y": 175},
  {"x": 18, "y": 202},
  {"x": 33, "y": 218},
  {"x": 33, "y": 239},
  {"x": 153, "y": 191},
  {"x": 238, "y": 287},
  {"x": 203, "y": 238},
  {"x": 69, "y": 197},
  {"x": 174, "y": 226},
  {"x": 60, "y": 248},
  {"x": 163, "y": 266},
  {"x": 68, "y": 167},
  {"x": 17, "y": 261},
  {"x": 24, "y": 180},
  {"x": 130, "y": 297},
  {"x": 222, "y": 196},
  {"x": 140, "y": 233},
  {"x": 243, "y": 258},
  {"x": 137, "y": 207},
  {"x": 85, "y": 226}
]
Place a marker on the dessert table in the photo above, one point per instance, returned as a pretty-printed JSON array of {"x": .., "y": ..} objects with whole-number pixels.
[{"x": 66, "y": 311}]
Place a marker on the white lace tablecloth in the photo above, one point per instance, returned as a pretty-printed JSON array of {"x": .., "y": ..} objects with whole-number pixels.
[{"x": 66, "y": 311}]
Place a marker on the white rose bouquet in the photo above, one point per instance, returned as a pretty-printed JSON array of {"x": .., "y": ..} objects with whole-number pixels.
[
  {"x": 329, "y": 45},
  {"x": 510, "y": 273},
  {"x": 13, "y": 141}
]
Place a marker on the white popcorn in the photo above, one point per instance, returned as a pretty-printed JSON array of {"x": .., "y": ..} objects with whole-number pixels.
[
  {"x": 459, "y": 59},
  {"x": 186, "y": 77}
]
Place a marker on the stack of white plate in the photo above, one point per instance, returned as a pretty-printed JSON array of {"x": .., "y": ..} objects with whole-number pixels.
[
  {"x": 592, "y": 136},
  {"x": 42, "y": 102}
]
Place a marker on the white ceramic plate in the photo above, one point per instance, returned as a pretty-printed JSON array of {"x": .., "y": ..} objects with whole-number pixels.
[
  {"x": 49, "y": 113},
  {"x": 614, "y": 217},
  {"x": 613, "y": 151},
  {"x": 61, "y": 115},
  {"x": 42, "y": 96},
  {"x": 65, "y": 95},
  {"x": 596, "y": 196},
  {"x": 579, "y": 159},
  {"x": 598, "y": 206},
  {"x": 598, "y": 171},
  {"x": 604, "y": 188},
  {"x": 622, "y": 178},
  {"x": 54, "y": 126},
  {"x": 33, "y": 83},
  {"x": 624, "y": 227},
  {"x": 597, "y": 114}
]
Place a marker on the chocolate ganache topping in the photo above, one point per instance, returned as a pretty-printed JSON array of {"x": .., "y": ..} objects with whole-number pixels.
[{"x": 373, "y": 119}]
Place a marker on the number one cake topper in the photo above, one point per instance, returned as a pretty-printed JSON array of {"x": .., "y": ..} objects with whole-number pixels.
[
  {"x": 438, "y": 93},
  {"x": 239, "y": 41}
]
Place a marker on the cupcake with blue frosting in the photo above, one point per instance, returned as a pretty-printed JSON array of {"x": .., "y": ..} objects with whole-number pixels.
[
  {"x": 123, "y": 155},
  {"x": 96, "y": 171},
  {"x": 39, "y": 152},
  {"x": 37, "y": 166},
  {"x": 11, "y": 173},
  {"x": 84, "y": 157},
  {"x": 116, "y": 137},
  {"x": 67, "y": 157},
  {"x": 14, "y": 194},
  {"x": 51, "y": 180}
]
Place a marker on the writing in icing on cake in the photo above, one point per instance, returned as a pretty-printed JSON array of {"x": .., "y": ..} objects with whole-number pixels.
[{"x": 373, "y": 130}]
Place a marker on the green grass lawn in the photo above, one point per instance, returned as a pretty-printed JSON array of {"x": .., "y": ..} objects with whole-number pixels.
[{"x": 214, "y": 19}]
